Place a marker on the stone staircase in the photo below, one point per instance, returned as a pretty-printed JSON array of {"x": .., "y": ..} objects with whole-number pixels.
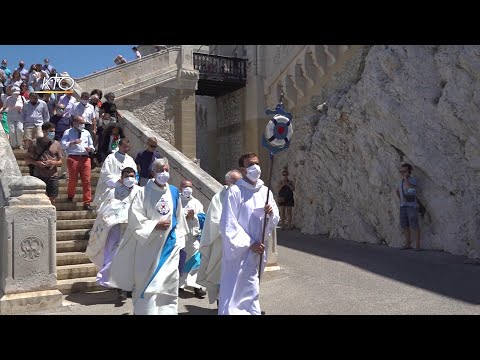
[{"x": 75, "y": 272}]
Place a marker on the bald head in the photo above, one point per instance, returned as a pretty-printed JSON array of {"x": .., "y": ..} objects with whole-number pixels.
[{"x": 232, "y": 176}]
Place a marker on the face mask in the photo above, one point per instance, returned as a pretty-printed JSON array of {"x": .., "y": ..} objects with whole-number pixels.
[
  {"x": 60, "y": 112},
  {"x": 254, "y": 172},
  {"x": 163, "y": 177},
  {"x": 187, "y": 192},
  {"x": 81, "y": 127},
  {"x": 106, "y": 122},
  {"x": 84, "y": 102},
  {"x": 46, "y": 63},
  {"x": 51, "y": 135},
  {"x": 110, "y": 101},
  {"x": 129, "y": 182}
]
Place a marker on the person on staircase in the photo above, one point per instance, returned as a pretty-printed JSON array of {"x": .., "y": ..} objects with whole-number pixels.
[
  {"x": 78, "y": 143},
  {"x": 61, "y": 123},
  {"x": 110, "y": 226},
  {"x": 109, "y": 106},
  {"x": 109, "y": 137},
  {"x": 190, "y": 256},
  {"x": 145, "y": 159},
  {"x": 111, "y": 172},
  {"x": 34, "y": 115},
  {"x": 45, "y": 154},
  {"x": 147, "y": 258},
  {"x": 87, "y": 112}
]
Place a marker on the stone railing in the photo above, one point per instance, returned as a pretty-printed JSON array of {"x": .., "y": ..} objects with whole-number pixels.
[
  {"x": 133, "y": 76},
  {"x": 181, "y": 167},
  {"x": 27, "y": 240}
]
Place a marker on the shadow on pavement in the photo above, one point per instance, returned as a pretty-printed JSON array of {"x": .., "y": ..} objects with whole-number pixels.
[
  {"x": 196, "y": 310},
  {"x": 96, "y": 298},
  {"x": 435, "y": 271}
]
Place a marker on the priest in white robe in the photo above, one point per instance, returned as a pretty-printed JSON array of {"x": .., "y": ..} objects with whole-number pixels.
[
  {"x": 110, "y": 175},
  {"x": 211, "y": 241},
  {"x": 241, "y": 226},
  {"x": 146, "y": 261},
  {"x": 190, "y": 261},
  {"x": 110, "y": 224}
]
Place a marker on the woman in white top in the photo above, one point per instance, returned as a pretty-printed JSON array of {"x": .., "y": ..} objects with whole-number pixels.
[{"x": 14, "y": 104}]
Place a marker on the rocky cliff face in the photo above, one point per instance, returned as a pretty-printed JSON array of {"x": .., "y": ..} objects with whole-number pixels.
[{"x": 389, "y": 105}]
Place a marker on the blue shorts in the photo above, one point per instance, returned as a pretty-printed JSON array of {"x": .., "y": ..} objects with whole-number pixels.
[{"x": 409, "y": 217}]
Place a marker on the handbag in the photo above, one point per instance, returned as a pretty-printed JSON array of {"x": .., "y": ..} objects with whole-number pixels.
[{"x": 408, "y": 198}]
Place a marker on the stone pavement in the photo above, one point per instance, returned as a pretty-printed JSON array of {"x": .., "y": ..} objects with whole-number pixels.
[{"x": 332, "y": 276}]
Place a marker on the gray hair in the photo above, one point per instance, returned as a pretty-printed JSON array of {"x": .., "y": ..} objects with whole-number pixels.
[
  {"x": 229, "y": 179},
  {"x": 159, "y": 163}
]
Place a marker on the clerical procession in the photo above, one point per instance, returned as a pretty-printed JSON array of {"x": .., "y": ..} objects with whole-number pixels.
[{"x": 239, "y": 180}]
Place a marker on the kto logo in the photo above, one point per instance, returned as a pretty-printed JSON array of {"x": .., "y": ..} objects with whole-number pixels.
[{"x": 64, "y": 83}]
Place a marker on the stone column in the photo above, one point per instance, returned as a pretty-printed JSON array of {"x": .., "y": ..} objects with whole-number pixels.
[
  {"x": 184, "y": 103},
  {"x": 185, "y": 122},
  {"x": 28, "y": 249}
]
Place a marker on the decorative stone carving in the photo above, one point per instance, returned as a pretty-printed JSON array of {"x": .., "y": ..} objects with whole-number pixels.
[{"x": 31, "y": 248}]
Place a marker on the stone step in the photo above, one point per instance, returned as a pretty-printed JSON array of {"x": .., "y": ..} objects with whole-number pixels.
[
  {"x": 78, "y": 198},
  {"x": 62, "y": 189},
  {"x": 85, "y": 284},
  {"x": 75, "y": 215},
  {"x": 70, "y": 206},
  {"x": 77, "y": 234},
  {"x": 76, "y": 271},
  {"x": 94, "y": 174},
  {"x": 70, "y": 246},
  {"x": 72, "y": 258},
  {"x": 74, "y": 224}
]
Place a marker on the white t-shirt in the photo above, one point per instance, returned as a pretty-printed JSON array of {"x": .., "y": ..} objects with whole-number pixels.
[{"x": 138, "y": 55}]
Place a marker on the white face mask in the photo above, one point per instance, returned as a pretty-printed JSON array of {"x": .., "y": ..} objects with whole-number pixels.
[
  {"x": 254, "y": 172},
  {"x": 84, "y": 102},
  {"x": 187, "y": 192},
  {"x": 129, "y": 182},
  {"x": 162, "y": 177},
  {"x": 81, "y": 127}
]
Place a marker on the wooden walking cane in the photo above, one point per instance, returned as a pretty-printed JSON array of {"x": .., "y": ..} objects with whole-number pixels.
[{"x": 278, "y": 133}]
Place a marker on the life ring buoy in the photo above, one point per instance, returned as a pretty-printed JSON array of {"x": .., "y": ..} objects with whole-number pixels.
[{"x": 278, "y": 131}]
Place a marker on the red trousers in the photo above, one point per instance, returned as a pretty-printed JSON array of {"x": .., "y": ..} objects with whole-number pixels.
[{"x": 79, "y": 164}]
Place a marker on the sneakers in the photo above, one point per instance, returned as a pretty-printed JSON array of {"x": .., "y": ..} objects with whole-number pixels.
[
  {"x": 199, "y": 293},
  {"x": 87, "y": 207}
]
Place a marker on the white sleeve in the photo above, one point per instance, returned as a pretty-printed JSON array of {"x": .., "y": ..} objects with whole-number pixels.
[{"x": 235, "y": 240}]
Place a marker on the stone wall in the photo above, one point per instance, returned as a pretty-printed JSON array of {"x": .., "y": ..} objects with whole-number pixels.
[
  {"x": 230, "y": 117},
  {"x": 389, "y": 105},
  {"x": 206, "y": 125},
  {"x": 156, "y": 111},
  {"x": 181, "y": 167}
]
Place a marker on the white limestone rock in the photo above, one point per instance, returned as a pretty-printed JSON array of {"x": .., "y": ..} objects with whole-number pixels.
[{"x": 389, "y": 105}]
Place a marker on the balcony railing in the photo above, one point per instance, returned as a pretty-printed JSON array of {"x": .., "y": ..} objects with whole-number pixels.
[{"x": 220, "y": 68}]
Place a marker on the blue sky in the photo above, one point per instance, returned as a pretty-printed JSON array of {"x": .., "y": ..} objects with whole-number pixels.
[{"x": 77, "y": 60}]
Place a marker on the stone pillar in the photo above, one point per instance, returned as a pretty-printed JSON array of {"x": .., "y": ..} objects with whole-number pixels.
[
  {"x": 28, "y": 249},
  {"x": 184, "y": 103},
  {"x": 185, "y": 122}
]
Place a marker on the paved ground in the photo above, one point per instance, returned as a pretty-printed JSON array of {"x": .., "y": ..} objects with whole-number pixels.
[{"x": 326, "y": 276}]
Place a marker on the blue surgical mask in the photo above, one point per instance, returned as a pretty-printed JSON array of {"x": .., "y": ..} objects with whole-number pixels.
[{"x": 51, "y": 135}]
